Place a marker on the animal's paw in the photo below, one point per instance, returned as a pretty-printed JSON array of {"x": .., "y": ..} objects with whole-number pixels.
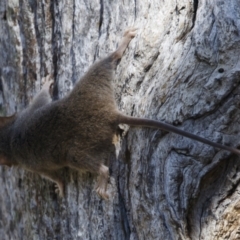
[
  {"x": 102, "y": 193},
  {"x": 109, "y": 192},
  {"x": 59, "y": 189},
  {"x": 48, "y": 83},
  {"x": 130, "y": 32}
]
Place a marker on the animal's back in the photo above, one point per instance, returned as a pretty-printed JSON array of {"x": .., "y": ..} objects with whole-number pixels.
[{"x": 80, "y": 125}]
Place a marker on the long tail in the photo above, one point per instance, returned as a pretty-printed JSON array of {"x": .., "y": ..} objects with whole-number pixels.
[{"x": 167, "y": 127}]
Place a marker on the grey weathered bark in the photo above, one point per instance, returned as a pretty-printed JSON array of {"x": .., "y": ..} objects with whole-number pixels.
[{"x": 183, "y": 68}]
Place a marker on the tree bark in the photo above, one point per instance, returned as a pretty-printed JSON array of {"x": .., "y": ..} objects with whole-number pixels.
[{"x": 182, "y": 68}]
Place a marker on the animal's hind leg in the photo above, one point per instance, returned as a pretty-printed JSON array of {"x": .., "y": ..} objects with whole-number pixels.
[
  {"x": 101, "y": 185},
  {"x": 55, "y": 177},
  {"x": 102, "y": 180},
  {"x": 90, "y": 164},
  {"x": 127, "y": 37}
]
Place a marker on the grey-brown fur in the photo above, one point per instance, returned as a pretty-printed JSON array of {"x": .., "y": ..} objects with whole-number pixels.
[{"x": 76, "y": 131}]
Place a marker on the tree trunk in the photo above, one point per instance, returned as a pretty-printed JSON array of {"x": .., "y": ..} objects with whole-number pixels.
[{"x": 182, "y": 68}]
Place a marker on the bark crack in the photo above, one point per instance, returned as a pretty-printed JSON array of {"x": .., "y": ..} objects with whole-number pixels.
[
  {"x": 73, "y": 57},
  {"x": 195, "y": 7},
  {"x": 55, "y": 48},
  {"x": 135, "y": 8},
  {"x": 123, "y": 212},
  {"x": 23, "y": 86},
  {"x": 100, "y": 18}
]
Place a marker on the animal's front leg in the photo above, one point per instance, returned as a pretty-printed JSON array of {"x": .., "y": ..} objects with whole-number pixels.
[
  {"x": 48, "y": 82},
  {"x": 127, "y": 37},
  {"x": 44, "y": 96}
]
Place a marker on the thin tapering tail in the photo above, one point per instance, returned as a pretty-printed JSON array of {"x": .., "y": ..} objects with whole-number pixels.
[{"x": 167, "y": 127}]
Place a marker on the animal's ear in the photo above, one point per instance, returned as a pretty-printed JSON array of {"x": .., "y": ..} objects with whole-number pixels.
[{"x": 5, "y": 120}]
